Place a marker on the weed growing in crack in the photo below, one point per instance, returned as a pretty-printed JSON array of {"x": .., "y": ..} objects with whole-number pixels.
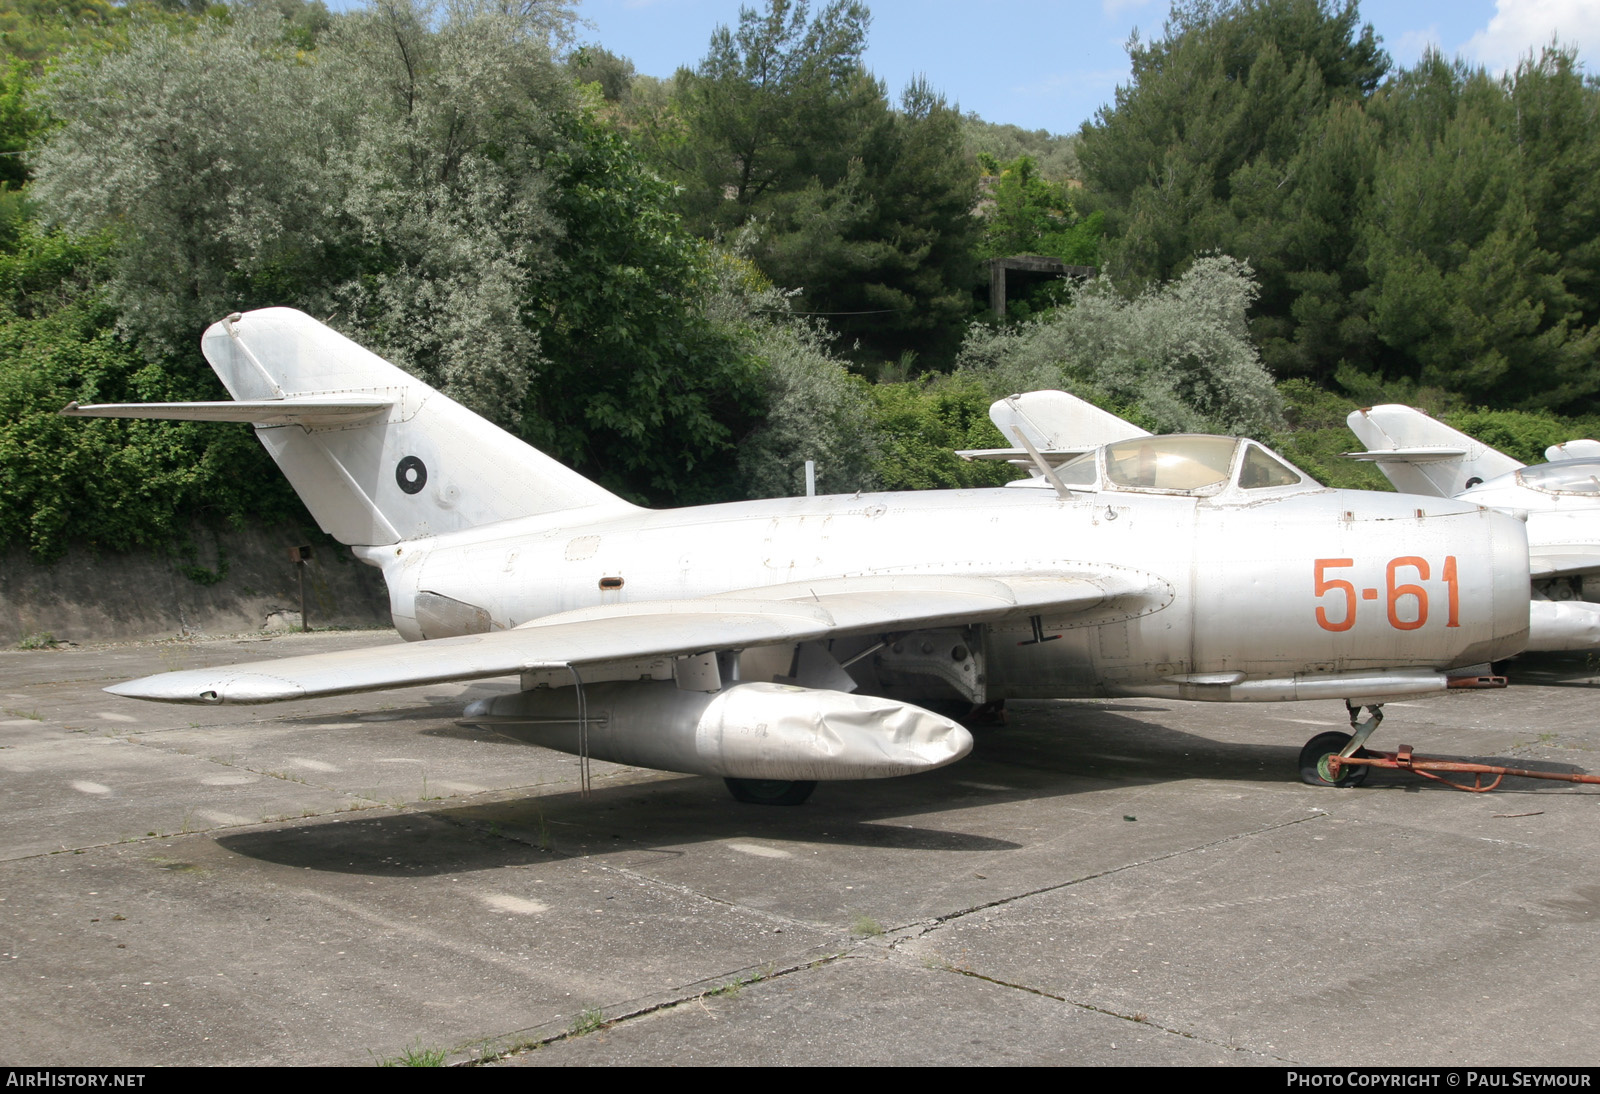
[
  {"x": 864, "y": 926},
  {"x": 588, "y": 1020},
  {"x": 416, "y": 1055}
]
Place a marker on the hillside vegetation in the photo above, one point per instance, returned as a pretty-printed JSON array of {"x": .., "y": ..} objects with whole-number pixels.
[{"x": 686, "y": 287}]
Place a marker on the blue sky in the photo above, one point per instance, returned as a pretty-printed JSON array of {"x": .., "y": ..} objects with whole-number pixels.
[{"x": 1049, "y": 64}]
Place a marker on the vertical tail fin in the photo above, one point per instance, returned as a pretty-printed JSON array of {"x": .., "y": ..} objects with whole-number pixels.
[
  {"x": 377, "y": 455},
  {"x": 1422, "y": 456},
  {"x": 1054, "y": 421},
  {"x": 1058, "y": 426}
]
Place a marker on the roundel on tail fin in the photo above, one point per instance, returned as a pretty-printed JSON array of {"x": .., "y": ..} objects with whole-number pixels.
[{"x": 412, "y": 474}]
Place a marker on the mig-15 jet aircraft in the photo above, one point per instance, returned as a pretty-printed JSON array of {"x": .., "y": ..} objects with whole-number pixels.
[
  {"x": 1559, "y": 500},
  {"x": 781, "y": 642}
]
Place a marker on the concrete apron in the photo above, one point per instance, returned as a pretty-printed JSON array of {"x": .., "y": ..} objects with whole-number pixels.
[{"x": 358, "y": 880}]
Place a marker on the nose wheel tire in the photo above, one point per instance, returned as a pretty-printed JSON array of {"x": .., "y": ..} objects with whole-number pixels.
[
  {"x": 769, "y": 791},
  {"x": 1314, "y": 761}
]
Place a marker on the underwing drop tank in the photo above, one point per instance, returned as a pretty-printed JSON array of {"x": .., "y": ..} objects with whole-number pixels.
[
  {"x": 745, "y": 731},
  {"x": 1563, "y": 625}
]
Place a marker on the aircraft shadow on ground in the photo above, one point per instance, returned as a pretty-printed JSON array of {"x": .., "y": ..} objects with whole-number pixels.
[
  {"x": 1046, "y": 751},
  {"x": 1574, "y": 669}
]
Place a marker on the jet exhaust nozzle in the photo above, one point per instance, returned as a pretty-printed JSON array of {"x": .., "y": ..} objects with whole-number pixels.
[{"x": 744, "y": 731}]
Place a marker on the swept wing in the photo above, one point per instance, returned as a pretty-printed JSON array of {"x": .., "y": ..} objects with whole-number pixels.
[{"x": 800, "y": 612}]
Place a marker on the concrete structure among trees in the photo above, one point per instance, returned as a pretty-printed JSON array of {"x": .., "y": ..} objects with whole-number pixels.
[{"x": 1028, "y": 268}]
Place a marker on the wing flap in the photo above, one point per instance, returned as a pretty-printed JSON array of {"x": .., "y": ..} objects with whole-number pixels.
[{"x": 799, "y": 612}]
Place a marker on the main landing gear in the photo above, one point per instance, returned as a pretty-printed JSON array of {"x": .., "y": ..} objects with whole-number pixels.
[{"x": 1314, "y": 767}]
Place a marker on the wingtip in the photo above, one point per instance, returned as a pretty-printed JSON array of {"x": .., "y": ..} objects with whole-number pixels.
[{"x": 164, "y": 689}]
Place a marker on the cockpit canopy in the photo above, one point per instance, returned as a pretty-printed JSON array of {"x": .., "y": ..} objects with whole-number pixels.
[
  {"x": 1563, "y": 477},
  {"x": 1196, "y": 464}
]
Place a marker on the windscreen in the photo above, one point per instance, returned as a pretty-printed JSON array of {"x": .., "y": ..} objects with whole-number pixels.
[
  {"x": 1565, "y": 477},
  {"x": 1261, "y": 469},
  {"x": 1182, "y": 463}
]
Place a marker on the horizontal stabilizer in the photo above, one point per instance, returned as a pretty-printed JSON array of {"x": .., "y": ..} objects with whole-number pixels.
[
  {"x": 664, "y": 628},
  {"x": 1407, "y": 455},
  {"x": 1020, "y": 457},
  {"x": 309, "y": 410}
]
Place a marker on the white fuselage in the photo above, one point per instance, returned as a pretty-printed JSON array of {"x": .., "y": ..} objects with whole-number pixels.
[{"x": 1304, "y": 583}]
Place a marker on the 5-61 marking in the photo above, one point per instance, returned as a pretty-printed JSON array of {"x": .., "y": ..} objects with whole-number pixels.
[{"x": 1405, "y": 600}]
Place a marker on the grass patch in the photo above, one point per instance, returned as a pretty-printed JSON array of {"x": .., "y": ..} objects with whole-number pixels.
[
  {"x": 588, "y": 1020},
  {"x": 416, "y": 1055},
  {"x": 736, "y": 985},
  {"x": 864, "y": 926}
]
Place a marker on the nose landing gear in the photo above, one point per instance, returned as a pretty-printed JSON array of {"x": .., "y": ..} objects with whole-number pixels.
[
  {"x": 1315, "y": 769},
  {"x": 1337, "y": 759}
]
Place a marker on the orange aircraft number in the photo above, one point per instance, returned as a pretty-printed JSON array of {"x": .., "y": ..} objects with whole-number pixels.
[{"x": 1405, "y": 600}]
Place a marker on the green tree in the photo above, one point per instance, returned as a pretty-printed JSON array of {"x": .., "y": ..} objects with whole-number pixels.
[
  {"x": 612, "y": 74},
  {"x": 1465, "y": 289},
  {"x": 109, "y": 483},
  {"x": 864, "y": 209},
  {"x": 885, "y": 251},
  {"x": 923, "y": 422},
  {"x": 1030, "y": 215},
  {"x": 1179, "y": 353},
  {"x": 432, "y": 183},
  {"x": 772, "y": 105},
  {"x": 21, "y": 126},
  {"x": 1054, "y": 153},
  {"x": 205, "y": 150},
  {"x": 35, "y": 30},
  {"x": 814, "y": 410},
  {"x": 638, "y": 387},
  {"x": 1210, "y": 144},
  {"x": 1231, "y": 88}
]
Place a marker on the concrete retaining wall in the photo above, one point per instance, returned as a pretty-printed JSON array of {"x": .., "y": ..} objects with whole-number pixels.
[{"x": 95, "y": 597}]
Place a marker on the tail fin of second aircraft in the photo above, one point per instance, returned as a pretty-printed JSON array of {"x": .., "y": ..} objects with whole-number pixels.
[
  {"x": 377, "y": 455},
  {"x": 1420, "y": 455}
]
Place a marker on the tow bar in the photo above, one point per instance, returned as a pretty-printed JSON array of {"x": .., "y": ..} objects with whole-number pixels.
[{"x": 1405, "y": 760}]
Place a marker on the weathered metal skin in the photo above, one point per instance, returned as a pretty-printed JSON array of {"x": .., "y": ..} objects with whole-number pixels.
[{"x": 1241, "y": 577}]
